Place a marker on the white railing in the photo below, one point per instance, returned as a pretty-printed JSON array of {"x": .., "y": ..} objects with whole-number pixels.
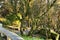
[{"x": 10, "y": 35}]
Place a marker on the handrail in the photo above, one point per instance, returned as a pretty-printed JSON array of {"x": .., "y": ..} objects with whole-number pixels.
[{"x": 10, "y": 34}]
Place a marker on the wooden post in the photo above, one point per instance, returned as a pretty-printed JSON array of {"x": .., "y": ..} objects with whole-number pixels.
[
  {"x": 57, "y": 37},
  {"x": 19, "y": 26},
  {"x": 8, "y": 38}
]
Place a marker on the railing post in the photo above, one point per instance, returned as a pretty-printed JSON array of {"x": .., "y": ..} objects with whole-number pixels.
[{"x": 8, "y": 38}]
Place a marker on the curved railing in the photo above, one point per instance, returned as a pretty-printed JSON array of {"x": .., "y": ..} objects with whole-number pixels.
[{"x": 10, "y": 35}]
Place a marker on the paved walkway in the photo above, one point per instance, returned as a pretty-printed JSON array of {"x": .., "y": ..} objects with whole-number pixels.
[{"x": 10, "y": 34}]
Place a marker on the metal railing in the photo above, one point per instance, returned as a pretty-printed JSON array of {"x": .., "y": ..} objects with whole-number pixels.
[{"x": 10, "y": 35}]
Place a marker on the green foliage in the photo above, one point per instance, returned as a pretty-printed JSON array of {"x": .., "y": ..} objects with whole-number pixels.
[
  {"x": 7, "y": 22},
  {"x": 41, "y": 12},
  {"x": 11, "y": 17},
  {"x": 32, "y": 38}
]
